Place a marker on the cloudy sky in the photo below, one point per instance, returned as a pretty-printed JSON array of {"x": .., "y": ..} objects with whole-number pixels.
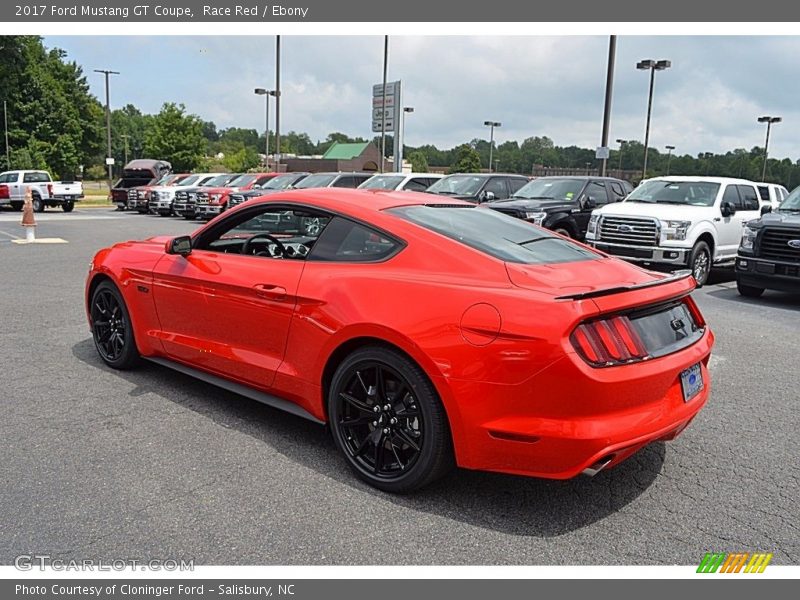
[{"x": 554, "y": 86}]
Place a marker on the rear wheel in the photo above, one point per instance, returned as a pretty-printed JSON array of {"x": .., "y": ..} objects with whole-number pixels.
[
  {"x": 561, "y": 230},
  {"x": 189, "y": 216},
  {"x": 111, "y": 327},
  {"x": 388, "y": 421},
  {"x": 38, "y": 203},
  {"x": 749, "y": 291},
  {"x": 68, "y": 206},
  {"x": 700, "y": 263}
]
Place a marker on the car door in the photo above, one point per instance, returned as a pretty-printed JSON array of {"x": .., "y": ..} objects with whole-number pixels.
[
  {"x": 15, "y": 191},
  {"x": 749, "y": 207},
  {"x": 228, "y": 312},
  {"x": 729, "y": 229},
  {"x": 495, "y": 189},
  {"x": 596, "y": 190}
]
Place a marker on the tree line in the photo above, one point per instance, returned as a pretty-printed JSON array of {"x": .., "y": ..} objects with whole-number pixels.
[{"x": 55, "y": 123}]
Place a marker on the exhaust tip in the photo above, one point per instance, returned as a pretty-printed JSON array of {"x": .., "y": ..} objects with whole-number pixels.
[{"x": 598, "y": 466}]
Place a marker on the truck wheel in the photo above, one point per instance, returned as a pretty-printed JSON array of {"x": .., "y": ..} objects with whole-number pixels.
[
  {"x": 562, "y": 230},
  {"x": 68, "y": 206},
  {"x": 16, "y": 206},
  {"x": 38, "y": 203},
  {"x": 189, "y": 216},
  {"x": 748, "y": 291},
  {"x": 700, "y": 263}
]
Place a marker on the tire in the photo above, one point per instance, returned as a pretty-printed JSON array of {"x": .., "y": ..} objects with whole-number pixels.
[
  {"x": 700, "y": 262},
  {"x": 16, "y": 206},
  {"x": 112, "y": 331},
  {"x": 748, "y": 291},
  {"x": 38, "y": 203},
  {"x": 403, "y": 411},
  {"x": 560, "y": 229},
  {"x": 68, "y": 206},
  {"x": 189, "y": 216}
]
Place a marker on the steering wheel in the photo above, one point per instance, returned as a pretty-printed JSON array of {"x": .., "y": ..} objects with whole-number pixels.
[{"x": 280, "y": 248}]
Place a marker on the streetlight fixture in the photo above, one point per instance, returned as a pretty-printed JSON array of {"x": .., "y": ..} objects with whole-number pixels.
[
  {"x": 402, "y": 138},
  {"x": 669, "y": 156},
  {"x": 266, "y": 93},
  {"x": 621, "y": 148},
  {"x": 769, "y": 121},
  {"x": 652, "y": 66},
  {"x": 491, "y": 125}
]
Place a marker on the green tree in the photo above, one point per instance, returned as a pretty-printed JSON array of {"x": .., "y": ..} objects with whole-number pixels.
[
  {"x": 176, "y": 136},
  {"x": 419, "y": 162},
  {"x": 467, "y": 160},
  {"x": 241, "y": 160}
]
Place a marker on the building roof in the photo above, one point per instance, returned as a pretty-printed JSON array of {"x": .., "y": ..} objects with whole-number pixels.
[{"x": 341, "y": 151}]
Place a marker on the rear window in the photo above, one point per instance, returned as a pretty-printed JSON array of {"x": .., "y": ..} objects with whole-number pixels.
[
  {"x": 35, "y": 177},
  {"x": 763, "y": 191},
  {"x": 495, "y": 234}
]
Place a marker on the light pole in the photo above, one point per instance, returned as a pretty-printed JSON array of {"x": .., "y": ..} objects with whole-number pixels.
[
  {"x": 125, "y": 137},
  {"x": 402, "y": 137},
  {"x": 5, "y": 120},
  {"x": 277, "y": 103},
  {"x": 383, "y": 103},
  {"x": 612, "y": 53},
  {"x": 266, "y": 93},
  {"x": 669, "y": 156},
  {"x": 769, "y": 121},
  {"x": 621, "y": 148},
  {"x": 106, "y": 72},
  {"x": 652, "y": 66},
  {"x": 491, "y": 125},
  {"x": 707, "y": 156}
]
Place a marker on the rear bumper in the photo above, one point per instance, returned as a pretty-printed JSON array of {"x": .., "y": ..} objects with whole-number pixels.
[
  {"x": 652, "y": 254},
  {"x": 570, "y": 416},
  {"x": 768, "y": 274}
]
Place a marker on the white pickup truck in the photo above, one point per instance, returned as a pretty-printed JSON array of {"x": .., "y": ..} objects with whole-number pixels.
[
  {"x": 694, "y": 222},
  {"x": 44, "y": 191}
]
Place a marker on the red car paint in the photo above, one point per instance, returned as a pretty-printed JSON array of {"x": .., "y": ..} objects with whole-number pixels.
[{"x": 493, "y": 337}]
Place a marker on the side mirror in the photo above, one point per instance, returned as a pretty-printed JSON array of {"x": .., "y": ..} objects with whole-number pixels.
[
  {"x": 180, "y": 245},
  {"x": 767, "y": 208},
  {"x": 727, "y": 209},
  {"x": 488, "y": 196},
  {"x": 589, "y": 202}
]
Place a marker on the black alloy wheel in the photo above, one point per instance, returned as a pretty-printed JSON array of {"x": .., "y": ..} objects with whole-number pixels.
[
  {"x": 388, "y": 421},
  {"x": 111, "y": 327}
]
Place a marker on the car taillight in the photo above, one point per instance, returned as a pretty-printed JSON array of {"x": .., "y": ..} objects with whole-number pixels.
[
  {"x": 4, "y": 192},
  {"x": 608, "y": 342}
]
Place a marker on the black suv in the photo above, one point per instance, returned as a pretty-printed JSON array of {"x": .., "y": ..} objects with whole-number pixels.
[
  {"x": 563, "y": 204},
  {"x": 769, "y": 254},
  {"x": 478, "y": 187}
]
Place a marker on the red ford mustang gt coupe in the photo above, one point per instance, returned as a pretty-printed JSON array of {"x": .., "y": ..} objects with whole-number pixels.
[{"x": 425, "y": 333}]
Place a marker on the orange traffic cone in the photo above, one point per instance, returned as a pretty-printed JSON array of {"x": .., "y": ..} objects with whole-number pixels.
[{"x": 28, "y": 222}]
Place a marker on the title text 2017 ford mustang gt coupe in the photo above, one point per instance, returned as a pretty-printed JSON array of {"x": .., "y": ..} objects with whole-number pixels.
[{"x": 426, "y": 333}]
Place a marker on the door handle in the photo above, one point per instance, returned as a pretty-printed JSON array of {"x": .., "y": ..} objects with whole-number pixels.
[{"x": 268, "y": 290}]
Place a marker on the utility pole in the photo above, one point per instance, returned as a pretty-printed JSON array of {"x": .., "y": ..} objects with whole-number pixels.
[
  {"x": 106, "y": 72},
  {"x": 277, "y": 103},
  {"x": 125, "y": 137},
  {"x": 383, "y": 103},
  {"x": 5, "y": 119},
  {"x": 612, "y": 54}
]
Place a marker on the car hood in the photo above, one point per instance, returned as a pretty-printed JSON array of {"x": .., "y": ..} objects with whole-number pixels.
[
  {"x": 678, "y": 212},
  {"x": 532, "y": 204},
  {"x": 787, "y": 219},
  {"x": 580, "y": 277}
]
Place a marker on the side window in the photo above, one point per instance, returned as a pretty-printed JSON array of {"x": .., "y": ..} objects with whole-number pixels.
[
  {"x": 597, "y": 190},
  {"x": 347, "y": 241},
  {"x": 35, "y": 178},
  {"x": 763, "y": 191},
  {"x": 749, "y": 198},
  {"x": 515, "y": 184},
  {"x": 346, "y": 181},
  {"x": 418, "y": 184},
  {"x": 731, "y": 195},
  {"x": 617, "y": 190},
  {"x": 4, "y": 178},
  {"x": 270, "y": 232},
  {"x": 497, "y": 186},
  {"x": 359, "y": 179}
]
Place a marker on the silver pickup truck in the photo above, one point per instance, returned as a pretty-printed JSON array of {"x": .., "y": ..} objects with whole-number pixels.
[{"x": 44, "y": 191}]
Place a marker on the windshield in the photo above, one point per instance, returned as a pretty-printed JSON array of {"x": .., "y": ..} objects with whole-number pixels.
[
  {"x": 217, "y": 181},
  {"x": 167, "y": 179},
  {"x": 382, "y": 182},
  {"x": 280, "y": 182},
  {"x": 692, "y": 193},
  {"x": 316, "y": 181},
  {"x": 792, "y": 201},
  {"x": 189, "y": 180},
  {"x": 457, "y": 185},
  {"x": 241, "y": 181},
  {"x": 495, "y": 234},
  {"x": 551, "y": 189}
]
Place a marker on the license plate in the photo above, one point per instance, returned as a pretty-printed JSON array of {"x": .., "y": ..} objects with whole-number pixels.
[
  {"x": 68, "y": 197},
  {"x": 692, "y": 382}
]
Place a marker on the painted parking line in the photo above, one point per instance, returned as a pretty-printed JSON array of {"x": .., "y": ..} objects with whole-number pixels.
[
  {"x": 41, "y": 241},
  {"x": 77, "y": 216},
  {"x": 9, "y": 235}
]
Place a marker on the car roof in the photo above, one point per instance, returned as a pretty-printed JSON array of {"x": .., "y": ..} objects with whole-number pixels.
[
  {"x": 679, "y": 178},
  {"x": 489, "y": 175}
]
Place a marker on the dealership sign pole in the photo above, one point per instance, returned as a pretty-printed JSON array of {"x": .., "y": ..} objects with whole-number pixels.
[{"x": 386, "y": 114}]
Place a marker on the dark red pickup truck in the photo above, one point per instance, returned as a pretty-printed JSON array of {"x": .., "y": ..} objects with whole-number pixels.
[{"x": 142, "y": 171}]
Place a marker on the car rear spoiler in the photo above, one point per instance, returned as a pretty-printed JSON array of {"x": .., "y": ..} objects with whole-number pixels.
[{"x": 676, "y": 276}]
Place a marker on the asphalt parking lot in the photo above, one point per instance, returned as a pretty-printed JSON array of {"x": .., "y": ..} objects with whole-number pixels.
[{"x": 153, "y": 464}]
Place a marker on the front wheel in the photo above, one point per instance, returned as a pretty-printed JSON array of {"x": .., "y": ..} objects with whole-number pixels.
[
  {"x": 700, "y": 263},
  {"x": 68, "y": 206},
  {"x": 749, "y": 291},
  {"x": 38, "y": 204},
  {"x": 388, "y": 421},
  {"x": 111, "y": 327},
  {"x": 561, "y": 230}
]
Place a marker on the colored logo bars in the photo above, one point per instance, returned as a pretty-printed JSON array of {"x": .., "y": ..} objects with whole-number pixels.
[{"x": 734, "y": 562}]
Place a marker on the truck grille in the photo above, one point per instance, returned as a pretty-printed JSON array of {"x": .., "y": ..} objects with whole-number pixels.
[
  {"x": 775, "y": 244},
  {"x": 626, "y": 230},
  {"x": 235, "y": 199}
]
